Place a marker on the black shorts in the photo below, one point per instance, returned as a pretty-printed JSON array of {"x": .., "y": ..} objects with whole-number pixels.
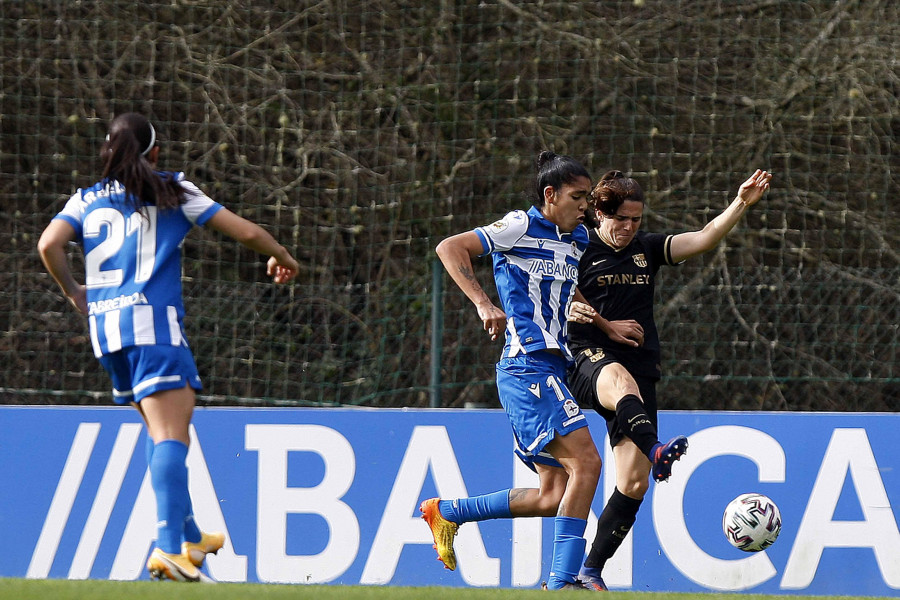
[{"x": 583, "y": 381}]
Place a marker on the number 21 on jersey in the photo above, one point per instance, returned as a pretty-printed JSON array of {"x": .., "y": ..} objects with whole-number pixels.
[{"x": 104, "y": 262}]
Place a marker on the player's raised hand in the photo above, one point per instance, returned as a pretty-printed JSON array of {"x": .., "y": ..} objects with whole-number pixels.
[
  {"x": 282, "y": 271},
  {"x": 755, "y": 186}
]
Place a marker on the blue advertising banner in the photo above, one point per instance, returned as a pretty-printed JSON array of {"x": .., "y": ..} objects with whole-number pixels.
[{"x": 332, "y": 496}]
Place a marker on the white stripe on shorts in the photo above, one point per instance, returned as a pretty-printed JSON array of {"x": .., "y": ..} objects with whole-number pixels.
[
  {"x": 536, "y": 442},
  {"x": 154, "y": 380},
  {"x": 121, "y": 394},
  {"x": 573, "y": 420}
]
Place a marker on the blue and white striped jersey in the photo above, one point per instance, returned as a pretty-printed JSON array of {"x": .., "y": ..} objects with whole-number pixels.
[
  {"x": 133, "y": 264},
  {"x": 536, "y": 272}
]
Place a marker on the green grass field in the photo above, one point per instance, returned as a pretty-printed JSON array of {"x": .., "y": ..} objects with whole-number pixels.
[{"x": 60, "y": 589}]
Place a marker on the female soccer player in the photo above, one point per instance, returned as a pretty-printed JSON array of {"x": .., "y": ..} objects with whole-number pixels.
[
  {"x": 535, "y": 256},
  {"x": 616, "y": 343},
  {"x": 131, "y": 225}
]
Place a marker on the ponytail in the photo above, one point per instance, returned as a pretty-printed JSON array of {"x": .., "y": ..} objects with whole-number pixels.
[
  {"x": 124, "y": 153},
  {"x": 555, "y": 170},
  {"x": 613, "y": 189}
]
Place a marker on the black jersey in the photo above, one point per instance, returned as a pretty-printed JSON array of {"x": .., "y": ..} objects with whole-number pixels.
[{"x": 619, "y": 284}]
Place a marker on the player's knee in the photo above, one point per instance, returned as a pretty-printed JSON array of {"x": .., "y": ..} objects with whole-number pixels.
[
  {"x": 548, "y": 507},
  {"x": 548, "y": 501},
  {"x": 589, "y": 466},
  {"x": 614, "y": 383},
  {"x": 634, "y": 487}
]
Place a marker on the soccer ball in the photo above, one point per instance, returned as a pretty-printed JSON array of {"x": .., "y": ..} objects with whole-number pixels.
[{"x": 751, "y": 522}]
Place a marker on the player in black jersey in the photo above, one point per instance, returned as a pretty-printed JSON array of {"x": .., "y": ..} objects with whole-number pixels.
[{"x": 616, "y": 344}]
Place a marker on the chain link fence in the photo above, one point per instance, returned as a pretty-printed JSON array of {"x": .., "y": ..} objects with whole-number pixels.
[{"x": 362, "y": 133}]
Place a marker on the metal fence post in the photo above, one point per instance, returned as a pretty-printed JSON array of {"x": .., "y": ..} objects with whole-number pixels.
[{"x": 437, "y": 330}]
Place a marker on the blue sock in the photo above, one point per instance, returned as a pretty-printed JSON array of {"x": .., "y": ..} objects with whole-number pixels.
[
  {"x": 149, "y": 445},
  {"x": 568, "y": 551},
  {"x": 476, "y": 508},
  {"x": 168, "y": 474},
  {"x": 191, "y": 529}
]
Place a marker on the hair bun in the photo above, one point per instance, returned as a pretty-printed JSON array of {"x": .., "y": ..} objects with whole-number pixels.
[{"x": 545, "y": 157}]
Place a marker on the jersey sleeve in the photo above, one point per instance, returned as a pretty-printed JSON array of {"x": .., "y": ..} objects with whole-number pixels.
[
  {"x": 73, "y": 212},
  {"x": 503, "y": 235},
  {"x": 198, "y": 208},
  {"x": 660, "y": 247}
]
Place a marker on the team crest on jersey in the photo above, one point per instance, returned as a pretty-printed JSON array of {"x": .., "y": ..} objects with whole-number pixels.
[
  {"x": 499, "y": 226},
  {"x": 640, "y": 260},
  {"x": 571, "y": 408}
]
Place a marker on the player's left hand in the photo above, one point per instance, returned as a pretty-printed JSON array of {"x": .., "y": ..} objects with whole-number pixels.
[
  {"x": 282, "y": 271},
  {"x": 755, "y": 186},
  {"x": 628, "y": 332}
]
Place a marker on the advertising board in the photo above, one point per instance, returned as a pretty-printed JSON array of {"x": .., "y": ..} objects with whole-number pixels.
[{"x": 331, "y": 496}]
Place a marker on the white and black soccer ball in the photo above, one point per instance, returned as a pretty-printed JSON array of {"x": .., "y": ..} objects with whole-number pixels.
[{"x": 751, "y": 522}]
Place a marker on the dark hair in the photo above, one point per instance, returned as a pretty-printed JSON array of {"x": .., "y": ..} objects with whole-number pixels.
[
  {"x": 555, "y": 170},
  {"x": 613, "y": 190},
  {"x": 131, "y": 138}
]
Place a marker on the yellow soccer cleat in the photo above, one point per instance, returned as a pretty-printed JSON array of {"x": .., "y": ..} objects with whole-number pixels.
[
  {"x": 443, "y": 531},
  {"x": 176, "y": 567},
  {"x": 196, "y": 552}
]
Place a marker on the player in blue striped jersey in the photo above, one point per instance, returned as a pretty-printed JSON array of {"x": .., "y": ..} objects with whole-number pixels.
[
  {"x": 131, "y": 225},
  {"x": 535, "y": 256}
]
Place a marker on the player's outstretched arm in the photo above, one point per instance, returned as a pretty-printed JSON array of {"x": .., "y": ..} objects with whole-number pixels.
[
  {"x": 52, "y": 248},
  {"x": 281, "y": 265},
  {"x": 456, "y": 254},
  {"x": 691, "y": 243}
]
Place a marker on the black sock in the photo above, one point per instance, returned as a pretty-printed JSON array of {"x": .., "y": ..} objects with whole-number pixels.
[
  {"x": 613, "y": 525},
  {"x": 636, "y": 424}
]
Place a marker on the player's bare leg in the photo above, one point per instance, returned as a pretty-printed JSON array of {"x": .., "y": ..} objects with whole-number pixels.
[
  {"x": 632, "y": 470},
  {"x": 167, "y": 415},
  {"x": 578, "y": 455},
  {"x": 543, "y": 501},
  {"x": 616, "y": 390}
]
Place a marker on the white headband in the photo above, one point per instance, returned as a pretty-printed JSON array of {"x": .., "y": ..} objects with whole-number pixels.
[{"x": 152, "y": 140}]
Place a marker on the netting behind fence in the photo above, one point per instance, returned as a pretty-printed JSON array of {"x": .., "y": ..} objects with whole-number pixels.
[{"x": 362, "y": 133}]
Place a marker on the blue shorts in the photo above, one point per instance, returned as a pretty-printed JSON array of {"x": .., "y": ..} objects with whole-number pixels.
[
  {"x": 139, "y": 371},
  {"x": 538, "y": 403}
]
